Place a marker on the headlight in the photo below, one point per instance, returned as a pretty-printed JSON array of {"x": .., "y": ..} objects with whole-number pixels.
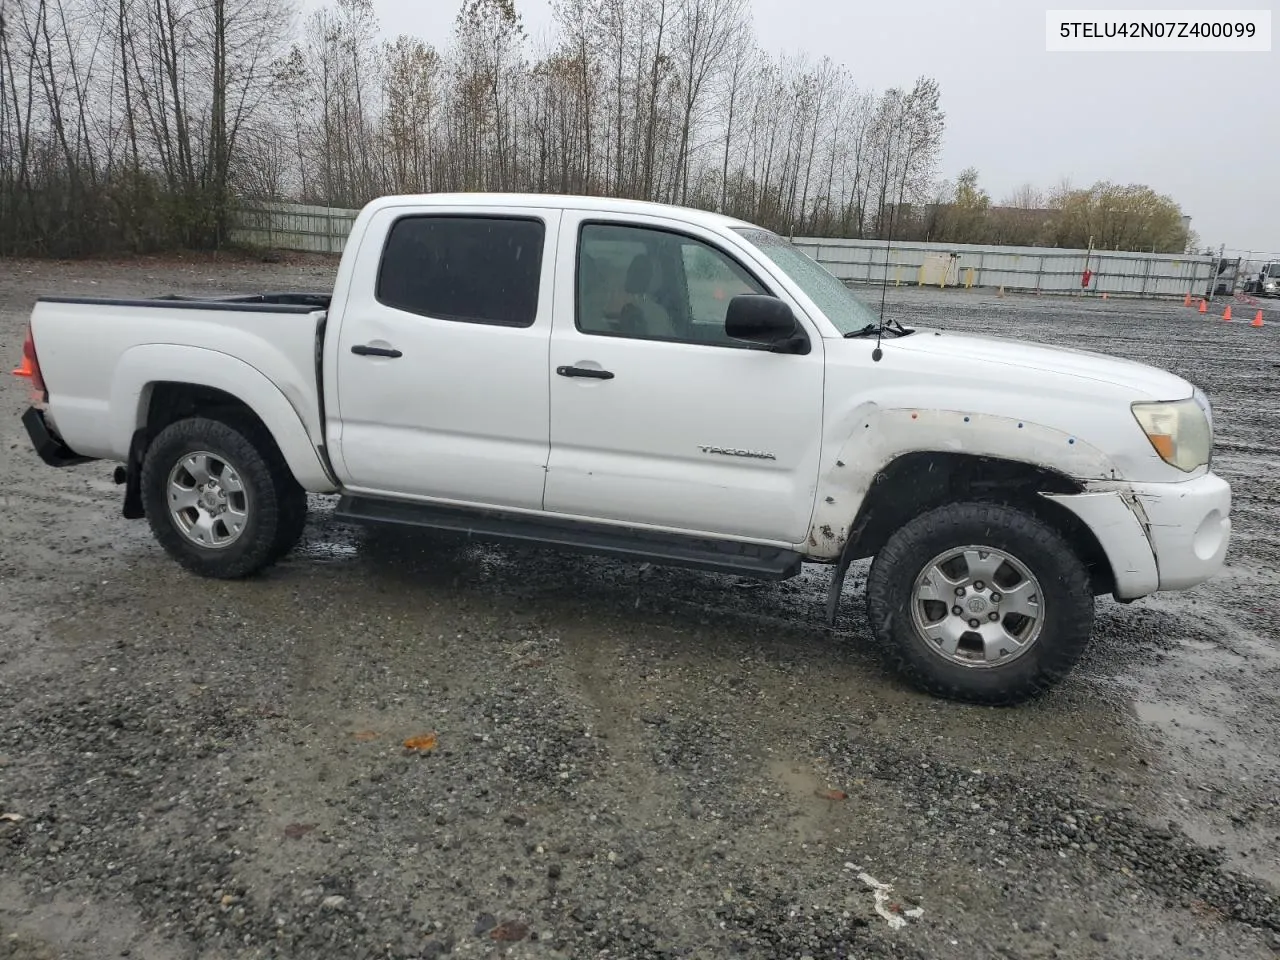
[{"x": 1180, "y": 430}]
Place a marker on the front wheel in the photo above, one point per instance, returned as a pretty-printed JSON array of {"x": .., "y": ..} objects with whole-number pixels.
[
  {"x": 219, "y": 497},
  {"x": 980, "y": 602}
]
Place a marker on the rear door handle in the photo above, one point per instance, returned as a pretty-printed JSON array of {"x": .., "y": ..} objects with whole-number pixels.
[
  {"x": 584, "y": 372},
  {"x": 364, "y": 350}
]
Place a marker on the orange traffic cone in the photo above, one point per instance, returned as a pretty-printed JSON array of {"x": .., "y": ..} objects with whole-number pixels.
[
  {"x": 1257, "y": 321},
  {"x": 1204, "y": 306},
  {"x": 1186, "y": 299},
  {"x": 1226, "y": 314}
]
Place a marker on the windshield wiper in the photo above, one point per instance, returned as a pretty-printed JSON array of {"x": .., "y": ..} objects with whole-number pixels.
[{"x": 893, "y": 327}]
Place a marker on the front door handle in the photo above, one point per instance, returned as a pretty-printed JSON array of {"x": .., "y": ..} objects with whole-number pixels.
[
  {"x": 584, "y": 372},
  {"x": 363, "y": 350}
]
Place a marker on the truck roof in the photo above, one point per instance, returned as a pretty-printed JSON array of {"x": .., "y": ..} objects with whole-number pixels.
[{"x": 560, "y": 202}]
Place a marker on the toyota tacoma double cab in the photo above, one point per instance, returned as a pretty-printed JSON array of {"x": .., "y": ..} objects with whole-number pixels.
[{"x": 654, "y": 383}]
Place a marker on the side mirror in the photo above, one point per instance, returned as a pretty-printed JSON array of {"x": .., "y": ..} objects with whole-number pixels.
[{"x": 757, "y": 318}]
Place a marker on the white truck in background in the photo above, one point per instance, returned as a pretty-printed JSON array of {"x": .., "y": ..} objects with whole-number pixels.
[
  {"x": 1266, "y": 281},
  {"x": 655, "y": 383}
]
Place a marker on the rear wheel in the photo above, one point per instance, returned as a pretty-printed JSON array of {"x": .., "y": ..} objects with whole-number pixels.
[
  {"x": 980, "y": 602},
  {"x": 219, "y": 497}
]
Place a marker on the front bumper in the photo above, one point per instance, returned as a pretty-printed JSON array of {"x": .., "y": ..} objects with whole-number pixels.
[
  {"x": 1158, "y": 536},
  {"x": 48, "y": 446},
  {"x": 1190, "y": 528}
]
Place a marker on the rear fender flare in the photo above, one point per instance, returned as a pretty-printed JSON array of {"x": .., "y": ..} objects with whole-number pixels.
[{"x": 142, "y": 366}]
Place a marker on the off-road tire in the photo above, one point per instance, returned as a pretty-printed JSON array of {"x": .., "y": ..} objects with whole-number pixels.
[
  {"x": 277, "y": 504},
  {"x": 293, "y": 520},
  {"x": 1067, "y": 600}
]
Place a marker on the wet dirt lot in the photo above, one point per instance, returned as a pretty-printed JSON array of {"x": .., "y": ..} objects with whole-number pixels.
[{"x": 627, "y": 763}]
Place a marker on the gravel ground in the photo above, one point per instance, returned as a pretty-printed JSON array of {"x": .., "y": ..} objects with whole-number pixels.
[{"x": 626, "y": 763}]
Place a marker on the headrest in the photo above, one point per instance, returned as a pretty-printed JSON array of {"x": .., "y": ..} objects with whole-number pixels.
[{"x": 639, "y": 274}]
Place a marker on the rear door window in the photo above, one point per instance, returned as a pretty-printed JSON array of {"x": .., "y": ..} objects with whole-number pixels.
[{"x": 471, "y": 269}]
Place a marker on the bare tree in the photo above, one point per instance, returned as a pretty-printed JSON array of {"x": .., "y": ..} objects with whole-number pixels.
[
  {"x": 141, "y": 123},
  {"x": 704, "y": 29}
]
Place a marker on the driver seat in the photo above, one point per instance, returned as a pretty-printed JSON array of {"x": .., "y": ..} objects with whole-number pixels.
[{"x": 644, "y": 316}]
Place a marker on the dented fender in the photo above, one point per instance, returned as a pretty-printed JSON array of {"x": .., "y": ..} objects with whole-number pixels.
[
  {"x": 1119, "y": 521},
  {"x": 876, "y": 436}
]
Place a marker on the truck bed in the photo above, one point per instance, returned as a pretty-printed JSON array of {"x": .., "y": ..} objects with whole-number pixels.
[{"x": 100, "y": 356}]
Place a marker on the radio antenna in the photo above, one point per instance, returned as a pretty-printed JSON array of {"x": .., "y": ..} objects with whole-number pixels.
[{"x": 877, "y": 353}]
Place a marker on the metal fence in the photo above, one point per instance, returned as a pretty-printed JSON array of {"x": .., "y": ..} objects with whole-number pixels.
[
  {"x": 317, "y": 229},
  {"x": 1043, "y": 269},
  {"x": 293, "y": 226}
]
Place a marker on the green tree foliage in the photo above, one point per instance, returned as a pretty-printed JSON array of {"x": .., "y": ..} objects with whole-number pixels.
[
  {"x": 1112, "y": 217},
  {"x": 1132, "y": 217},
  {"x": 964, "y": 219}
]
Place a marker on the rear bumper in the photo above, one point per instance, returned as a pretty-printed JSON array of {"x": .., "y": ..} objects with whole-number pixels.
[
  {"x": 48, "y": 446},
  {"x": 1158, "y": 536}
]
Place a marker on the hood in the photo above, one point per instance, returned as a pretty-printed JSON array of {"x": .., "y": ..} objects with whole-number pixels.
[{"x": 1151, "y": 382}]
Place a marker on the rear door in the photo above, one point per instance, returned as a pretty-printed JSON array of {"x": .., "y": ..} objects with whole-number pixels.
[
  {"x": 442, "y": 357},
  {"x": 673, "y": 424}
]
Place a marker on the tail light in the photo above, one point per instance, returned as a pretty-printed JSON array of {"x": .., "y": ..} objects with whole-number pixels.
[{"x": 30, "y": 368}]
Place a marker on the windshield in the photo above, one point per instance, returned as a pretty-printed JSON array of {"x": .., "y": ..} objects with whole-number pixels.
[{"x": 834, "y": 299}]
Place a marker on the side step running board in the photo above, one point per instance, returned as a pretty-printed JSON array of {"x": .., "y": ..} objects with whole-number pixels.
[{"x": 719, "y": 556}]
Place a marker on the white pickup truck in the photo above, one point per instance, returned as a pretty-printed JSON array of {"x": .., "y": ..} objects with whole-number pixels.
[{"x": 655, "y": 383}]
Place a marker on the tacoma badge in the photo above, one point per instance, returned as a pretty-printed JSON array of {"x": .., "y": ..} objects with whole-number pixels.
[{"x": 735, "y": 452}]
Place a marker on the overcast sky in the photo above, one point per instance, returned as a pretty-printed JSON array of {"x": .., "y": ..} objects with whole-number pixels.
[{"x": 1203, "y": 128}]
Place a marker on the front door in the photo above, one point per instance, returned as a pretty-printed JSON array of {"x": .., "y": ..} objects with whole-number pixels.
[
  {"x": 442, "y": 358},
  {"x": 657, "y": 417}
]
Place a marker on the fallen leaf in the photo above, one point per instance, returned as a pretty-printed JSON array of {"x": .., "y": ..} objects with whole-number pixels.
[
  {"x": 12, "y": 817},
  {"x": 296, "y": 831},
  {"x": 831, "y": 794},
  {"x": 510, "y": 931},
  {"x": 364, "y": 736},
  {"x": 425, "y": 742},
  {"x": 1203, "y": 909}
]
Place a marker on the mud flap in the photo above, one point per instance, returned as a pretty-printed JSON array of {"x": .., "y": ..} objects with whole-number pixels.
[
  {"x": 836, "y": 587},
  {"x": 133, "y": 508}
]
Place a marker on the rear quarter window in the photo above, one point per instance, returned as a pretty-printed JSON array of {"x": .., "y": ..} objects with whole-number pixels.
[{"x": 470, "y": 269}]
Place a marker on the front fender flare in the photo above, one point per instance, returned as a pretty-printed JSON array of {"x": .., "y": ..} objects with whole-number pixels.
[{"x": 879, "y": 435}]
